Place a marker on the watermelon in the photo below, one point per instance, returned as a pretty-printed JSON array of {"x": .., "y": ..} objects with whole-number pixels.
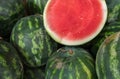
[
  {"x": 107, "y": 31},
  {"x": 70, "y": 63},
  {"x": 34, "y": 73},
  {"x": 35, "y": 6},
  {"x": 108, "y": 58},
  {"x": 10, "y": 63},
  {"x": 31, "y": 40},
  {"x": 113, "y": 10},
  {"x": 10, "y": 12},
  {"x": 74, "y": 22}
]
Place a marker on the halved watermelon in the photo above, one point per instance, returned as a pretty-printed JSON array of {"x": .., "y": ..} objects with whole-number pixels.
[{"x": 74, "y": 22}]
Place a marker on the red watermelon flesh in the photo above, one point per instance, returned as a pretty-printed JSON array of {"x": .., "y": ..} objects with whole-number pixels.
[{"x": 74, "y": 22}]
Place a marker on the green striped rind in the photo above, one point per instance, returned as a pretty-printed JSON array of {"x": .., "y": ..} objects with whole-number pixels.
[
  {"x": 113, "y": 10},
  {"x": 36, "y": 6},
  {"x": 107, "y": 31},
  {"x": 108, "y": 58},
  {"x": 34, "y": 73},
  {"x": 70, "y": 63},
  {"x": 32, "y": 41},
  {"x": 10, "y": 12},
  {"x": 10, "y": 63}
]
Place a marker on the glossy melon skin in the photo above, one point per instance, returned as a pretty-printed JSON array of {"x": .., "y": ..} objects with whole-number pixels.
[
  {"x": 10, "y": 63},
  {"x": 108, "y": 58},
  {"x": 69, "y": 25},
  {"x": 32, "y": 41},
  {"x": 107, "y": 31},
  {"x": 10, "y": 12},
  {"x": 113, "y": 10},
  {"x": 70, "y": 63}
]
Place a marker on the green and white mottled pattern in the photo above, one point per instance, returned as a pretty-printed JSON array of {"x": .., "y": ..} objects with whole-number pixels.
[
  {"x": 36, "y": 6},
  {"x": 113, "y": 10},
  {"x": 10, "y": 63},
  {"x": 10, "y": 12},
  {"x": 70, "y": 63},
  {"x": 32, "y": 41},
  {"x": 108, "y": 58}
]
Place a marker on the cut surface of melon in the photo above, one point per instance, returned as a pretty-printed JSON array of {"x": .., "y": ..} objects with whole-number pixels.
[{"x": 74, "y": 22}]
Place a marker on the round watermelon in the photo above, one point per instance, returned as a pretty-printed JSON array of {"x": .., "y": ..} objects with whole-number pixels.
[
  {"x": 32, "y": 41},
  {"x": 74, "y": 22},
  {"x": 10, "y": 12},
  {"x": 108, "y": 58},
  {"x": 70, "y": 63},
  {"x": 10, "y": 63}
]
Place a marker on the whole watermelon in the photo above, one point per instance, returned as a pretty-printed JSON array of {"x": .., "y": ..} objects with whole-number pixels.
[
  {"x": 32, "y": 41},
  {"x": 10, "y": 12},
  {"x": 70, "y": 63},
  {"x": 10, "y": 63},
  {"x": 108, "y": 58}
]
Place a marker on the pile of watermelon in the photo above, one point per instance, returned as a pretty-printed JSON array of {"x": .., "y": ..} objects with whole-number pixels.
[{"x": 55, "y": 39}]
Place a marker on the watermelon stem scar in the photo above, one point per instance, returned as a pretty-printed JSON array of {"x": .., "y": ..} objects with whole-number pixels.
[{"x": 74, "y": 22}]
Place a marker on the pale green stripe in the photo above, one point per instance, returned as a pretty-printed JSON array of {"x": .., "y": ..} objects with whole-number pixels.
[
  {"x": 37, "y": 23},
  {"x": 70, "y": 66},
  {"x": 46, "y": 77},
  {"x": 4, "y": 9},
  {"x": 89, "y": 57},
  {"x": 35, "y": 46},
  {"x": 77, "y": 72},
  {"x": 102, "y": 63},
  {"x": 3, "y": 62},
  {"x": 7, "y": 73},
  {"x": 6, "y": 49},
  {"x": 61, "y": 73},
  {"x": 14, "y": 61},
  {"x": 114, "y": 62},
  {"x": 85, "y": 69},
  {"x": 20, "y": 25},
  {"x": 38, "y": 60},
  {"x": 1, "y": 8},
  {"x": 35, "y": 2},
  {"x": 52, "y": 74},
  {"x": 112, "y": 15},
  {"x": 20, "y": 42},
  {"x": 70, "y": 76},
  {"x": 51, "y": 64},
  {"x": 30, "y": 24}
]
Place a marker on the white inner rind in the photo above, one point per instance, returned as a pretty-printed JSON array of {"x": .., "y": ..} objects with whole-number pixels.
[{"x": 65, "y": 41}]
